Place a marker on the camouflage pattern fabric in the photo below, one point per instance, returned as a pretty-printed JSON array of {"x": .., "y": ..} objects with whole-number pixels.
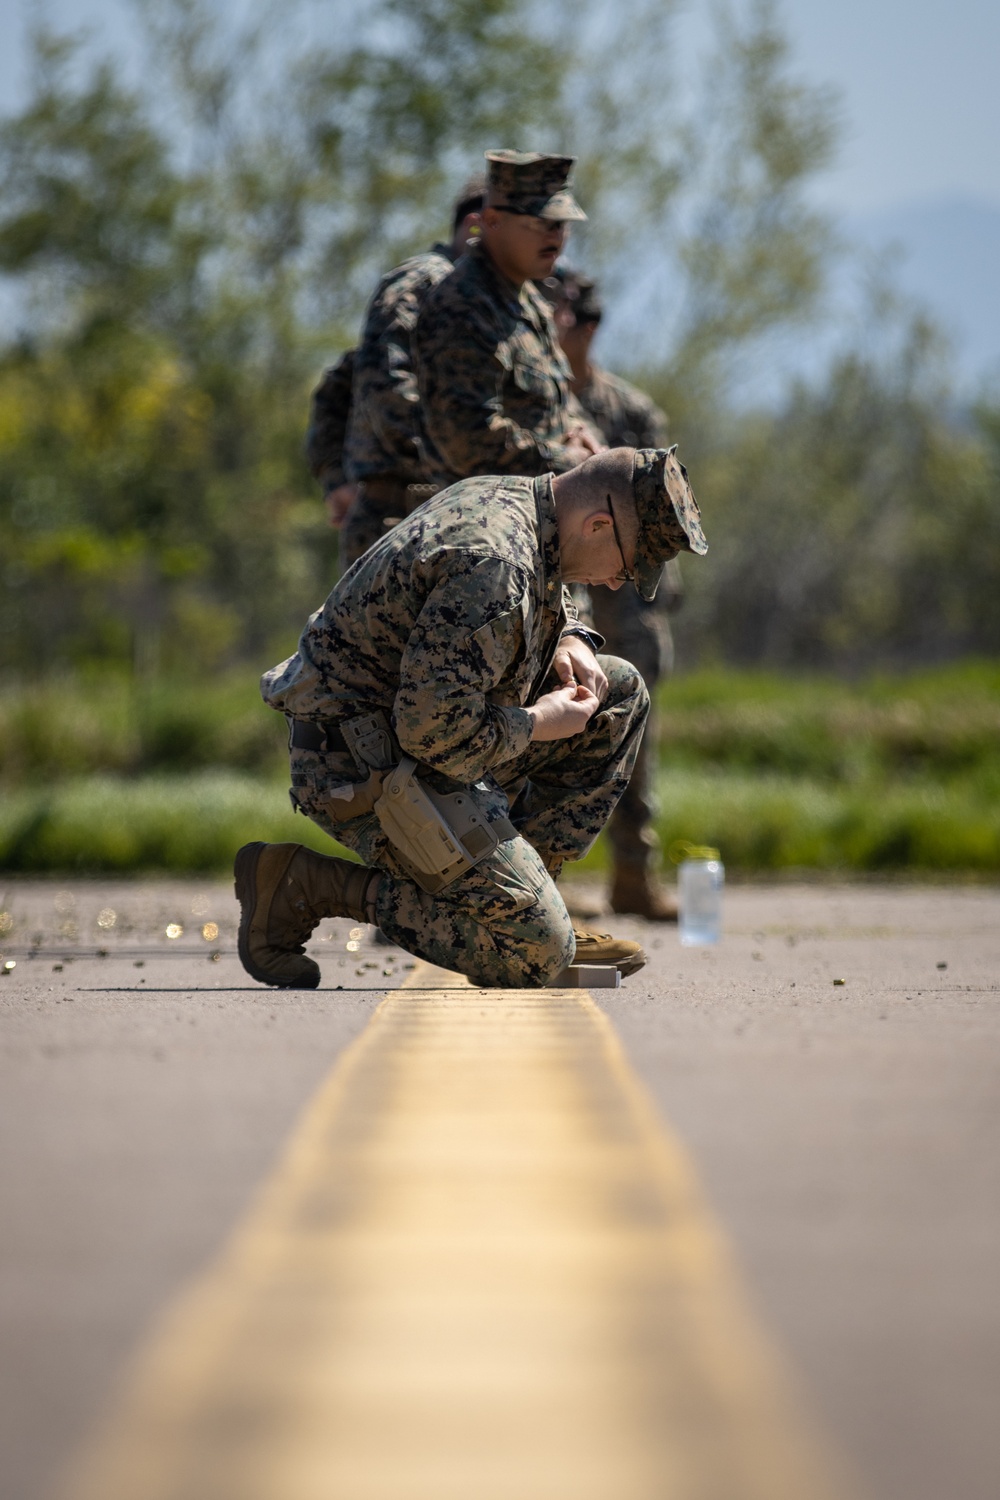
[
  {"x": 343, "y": 441},
  {"x": 449, "y": 623},
  {"x": 365, "y": 523},
  {"x": 504, "y": 923},
  {"x": 626, "y": 416},
  {"x": 384, "y": 435},
  {"x": 328, "y": 417},
  {"x": 634, "y": 628},
  {"x": 532, "y": 183},
  {"x": 493, "y": 382}
]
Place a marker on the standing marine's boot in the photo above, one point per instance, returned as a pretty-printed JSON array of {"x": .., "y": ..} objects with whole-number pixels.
[
  {"x": 284, "y": 890},
  {"x": 637, "y": 892}
]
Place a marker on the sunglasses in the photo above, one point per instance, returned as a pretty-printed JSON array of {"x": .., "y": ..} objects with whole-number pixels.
[{"x": 533, "y": 222}]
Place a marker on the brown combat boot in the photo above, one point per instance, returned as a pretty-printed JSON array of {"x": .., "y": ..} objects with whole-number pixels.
[
  {"x": 602, "y": 948},
  {"x": 636, "y": 892},
  {"x": 284, "y": 890}
]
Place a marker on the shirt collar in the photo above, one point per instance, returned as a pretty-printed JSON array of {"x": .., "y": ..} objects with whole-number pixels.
[{"x": 548, "y": 538}]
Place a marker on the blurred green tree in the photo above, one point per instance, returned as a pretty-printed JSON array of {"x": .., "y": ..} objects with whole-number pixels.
[
  {"x": 188, "y": 253},
  {"x": 182, "y": 252}
]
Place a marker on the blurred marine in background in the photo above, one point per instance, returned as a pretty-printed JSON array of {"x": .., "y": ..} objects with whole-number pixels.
[
  {"x": 494, "y": 384},
  {"x": 364, "y": 442},
  {"x": 633, "y": 627}
]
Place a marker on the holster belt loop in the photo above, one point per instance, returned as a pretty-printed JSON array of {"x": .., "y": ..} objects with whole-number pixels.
[{"x": 326, "y": 739}]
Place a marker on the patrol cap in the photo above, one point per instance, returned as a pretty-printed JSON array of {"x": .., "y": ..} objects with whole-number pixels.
[
  {"x": 528, "y": 182},
  {"x": 669, "y": 519}
]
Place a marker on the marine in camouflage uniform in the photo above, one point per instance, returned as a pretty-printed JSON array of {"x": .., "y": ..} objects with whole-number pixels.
[
  {"x": 449, "y": 625},
  {"x": 494, "y": 384},
  {"x": 634, "y": 628},
  {"x": 329, "y": 411},
  {"x": 365, "y": 424}
]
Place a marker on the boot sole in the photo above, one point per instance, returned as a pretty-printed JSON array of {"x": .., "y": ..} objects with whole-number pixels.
[{"x": 245, "y": 871}]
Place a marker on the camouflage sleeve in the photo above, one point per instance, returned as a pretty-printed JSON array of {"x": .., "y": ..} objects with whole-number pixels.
[
  {"x": 468, "y": 635},
  {"x": 577, "y": 412},
  {"x": 329, "y": 411},
  {"x": 648, "y": 423},
  {"x": 385, "y": 380},
  {"x": 461, "y": 371},
  {"x": 577, "y": 606}
]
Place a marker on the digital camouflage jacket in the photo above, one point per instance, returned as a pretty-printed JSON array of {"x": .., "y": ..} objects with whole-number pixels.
[
  {"x": 449, "y": 623},
  {"x": 625, "y": 415},
  {"x": 494, "y": 384},
  {"x": 328, "y": 417},
  {"x": 370, "y": 424}
]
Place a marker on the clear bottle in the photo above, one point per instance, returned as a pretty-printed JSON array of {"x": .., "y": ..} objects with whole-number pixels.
[{"x": 701, "y": 878}]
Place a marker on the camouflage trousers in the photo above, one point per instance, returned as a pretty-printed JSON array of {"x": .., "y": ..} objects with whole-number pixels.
[
  {"x": 503, "y": 923},
  {"x": 639, "y": 631}
]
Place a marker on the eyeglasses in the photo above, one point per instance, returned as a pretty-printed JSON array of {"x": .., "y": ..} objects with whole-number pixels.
[
  {"x": 624, "y": 576},
  {"x": 533, "y": 222}
]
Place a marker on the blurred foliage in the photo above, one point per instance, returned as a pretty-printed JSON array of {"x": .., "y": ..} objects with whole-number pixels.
[
  {"x": 186, "y": 255},
  {"x": 891, "y": 773},
  {"x": 761, "y": 823},
  {"x": 943, "y": 723},
  {"x": 105, "y": 825}
]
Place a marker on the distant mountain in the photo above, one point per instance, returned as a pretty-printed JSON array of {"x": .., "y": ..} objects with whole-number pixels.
[{"x": 951, "y": 262}]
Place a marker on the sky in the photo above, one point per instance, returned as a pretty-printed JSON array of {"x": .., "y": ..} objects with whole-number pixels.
[
  {"x": 919, "y": 158},
  {"x": 917, "y": 78},
  {"x": 921, "y": 106}
]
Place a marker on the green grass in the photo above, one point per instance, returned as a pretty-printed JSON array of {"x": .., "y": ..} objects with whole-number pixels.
[
  {"x": 891, "y": 774},
  {"x": 760, "y": 823},
  {"x": 109, "y": 825},
  {"x": 944, "y": 722}
]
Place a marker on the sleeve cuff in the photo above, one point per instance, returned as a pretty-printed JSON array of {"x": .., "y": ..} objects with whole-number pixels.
[
  {"x": 517, "y": 738},
  {"x": 594, "y": 640}
]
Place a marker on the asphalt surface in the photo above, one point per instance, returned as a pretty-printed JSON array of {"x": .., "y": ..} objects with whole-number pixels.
[{"x": 846, "y": 1135}]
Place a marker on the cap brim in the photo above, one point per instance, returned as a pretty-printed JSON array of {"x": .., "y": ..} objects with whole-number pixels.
[
  {"x": 647, "y": 577},
  {"x": 664, "y": 530},
  {"x": 563, "y": 207}
]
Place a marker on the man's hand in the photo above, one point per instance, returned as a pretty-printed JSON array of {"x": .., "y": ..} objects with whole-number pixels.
[
  {"x": 563, "y": 712},
  {"x": 575, "y": 661},
  {"x": 581, "y": 443},
  {"x": 338, "y": 502}
]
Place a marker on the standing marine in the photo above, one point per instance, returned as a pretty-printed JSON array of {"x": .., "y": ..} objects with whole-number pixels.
[
  {"x": 633, "y": 627},
  {"x": 494, "y": 384},
  {"x": 365, "y": 442}
]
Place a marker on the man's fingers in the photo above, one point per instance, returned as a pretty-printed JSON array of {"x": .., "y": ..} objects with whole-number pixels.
[{"x": 594, "y": 680}]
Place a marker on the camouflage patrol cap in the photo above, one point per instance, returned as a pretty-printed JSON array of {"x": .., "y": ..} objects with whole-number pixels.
[
  {"x": 530, "y": 183},
  {"x": 669, "y": 519}
]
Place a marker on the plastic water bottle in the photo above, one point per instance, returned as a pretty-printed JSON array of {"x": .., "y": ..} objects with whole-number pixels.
[{"x": 700, "y": 881}]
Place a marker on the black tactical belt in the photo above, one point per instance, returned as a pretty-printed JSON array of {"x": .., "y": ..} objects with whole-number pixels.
[{"x": 304, "y": 734}]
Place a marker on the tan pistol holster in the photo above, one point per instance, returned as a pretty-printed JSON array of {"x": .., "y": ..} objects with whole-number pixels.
[{"x": 437, "y": 836}]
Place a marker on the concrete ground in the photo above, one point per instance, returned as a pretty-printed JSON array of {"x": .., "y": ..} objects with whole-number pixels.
[{"x": 846, "y": 1135}]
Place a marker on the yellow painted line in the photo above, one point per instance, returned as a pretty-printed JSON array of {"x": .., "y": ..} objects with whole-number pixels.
[{"x": 483, "y": 1271}]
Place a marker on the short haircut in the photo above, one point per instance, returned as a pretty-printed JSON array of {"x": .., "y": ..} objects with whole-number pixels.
[{"x": 469, "y": 201}]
